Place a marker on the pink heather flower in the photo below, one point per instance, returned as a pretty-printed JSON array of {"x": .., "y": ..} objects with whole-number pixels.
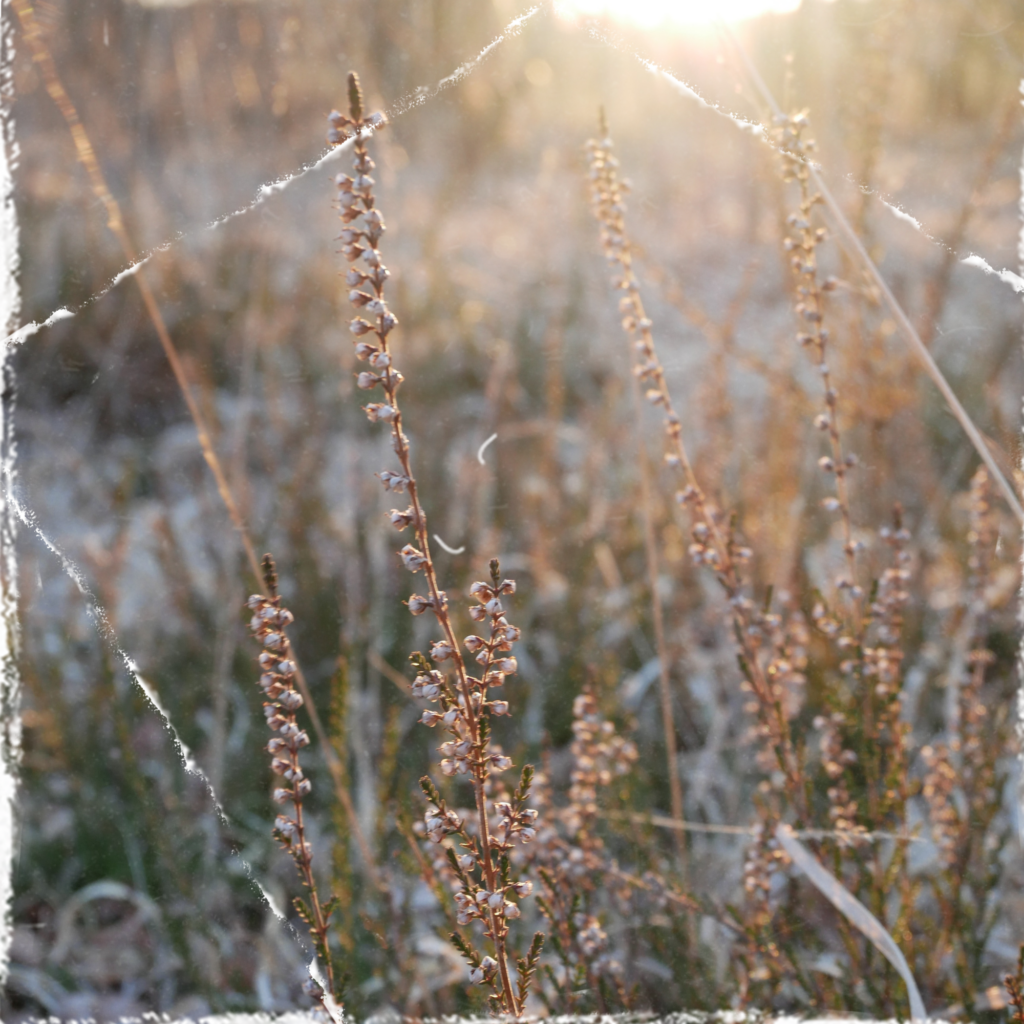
[
  {"x": 413, "y": 559},
  {"x": 441, "y": 651}
]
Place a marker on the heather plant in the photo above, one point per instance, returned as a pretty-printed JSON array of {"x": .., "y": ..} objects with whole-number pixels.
[
  {"x": 768, "y": 673},
  {"x": 864, "y": 736},
  {"x": 756, "y": 633},
  {"x": 464, "y": 709},
  {"x": 277, "y": 681}
]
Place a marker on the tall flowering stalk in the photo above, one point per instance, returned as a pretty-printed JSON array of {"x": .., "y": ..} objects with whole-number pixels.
[
  {"x": 770, "y": 673},
  {"x": 268, "y": 625},
  {"x": 802, "y": 246},
  {"x": 464, "y": 709}
]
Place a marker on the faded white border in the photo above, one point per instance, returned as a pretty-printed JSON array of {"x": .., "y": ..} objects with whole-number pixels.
[
  {"x": 10, "y": 724},
  {"x": 1020, "y": 609},
  {"x": 10, "y": 302}
]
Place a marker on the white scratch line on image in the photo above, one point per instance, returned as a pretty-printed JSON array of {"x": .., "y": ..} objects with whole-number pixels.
[
  {"x": 28, "y": 330},
  {"x": 1008, "y": 276},
  {"x": 480, "y": 451},
  {"x": 902, "y": 214},
  {"x": 451, "y": 551},
  {"x": 272, "y": 188},
  {"x": 150, "y": 691},
  {"x": 424, "y": 93},
  {"x": 679, "y": 85},
  {"x": 10, "y": 631},
  {"x": 24, "y": 333},
  {"x": 101, "y": 621},
  {"x": 742, "y": 123},
  {"x": 134, "y": 268},
  {"x": 271, "y": 902}
]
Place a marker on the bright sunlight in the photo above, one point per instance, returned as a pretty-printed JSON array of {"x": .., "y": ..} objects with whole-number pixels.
[{"x": 655, "y": 13}]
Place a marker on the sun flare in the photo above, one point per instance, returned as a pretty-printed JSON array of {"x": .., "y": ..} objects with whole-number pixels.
[{"x": 665, "y": 13}]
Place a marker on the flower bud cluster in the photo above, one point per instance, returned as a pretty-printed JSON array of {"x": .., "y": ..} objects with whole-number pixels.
[
  {"x": 711, "y": 546},
  {"x": 837, "y": 758},
  {"x": 961, "y": 780},
  {"x": 440, "y": 823},
  {"x": 802, "y": 245},
  {"x": 599, "y": 753},
  {"x": 939, "y": 789},
  {"x": 978, "y": 763},
  {"x": 278, "y": 677},
  {"x": 463, "y": 754},
  {"x": 360, "y": 239},
  {"x": 764, "y": 860},
  {"x": 277, "y": 681},
  {"x": 460, "y": 703},
  {"x": 781, "y": 642},
  {"x": 484, "y": 972},
  {"x": 882, "y": 662},
  {"x": 482, "y": 892}
]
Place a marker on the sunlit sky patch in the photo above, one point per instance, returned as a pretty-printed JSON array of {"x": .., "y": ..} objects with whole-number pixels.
[{"x": 667, "y": 13}]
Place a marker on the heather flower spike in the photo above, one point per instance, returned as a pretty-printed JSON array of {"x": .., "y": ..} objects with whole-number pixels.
[
  {"x": 802, "y": 244},
  {"x": 277, "y": 681},
  {"x": 762, "y": 645},
  {"x": 461, "y": 709}
]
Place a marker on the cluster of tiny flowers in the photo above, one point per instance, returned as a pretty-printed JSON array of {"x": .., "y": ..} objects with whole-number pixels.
[
  {"x": 474, "y": 903},
  {"x": 763, "y": 863},
  {"x": 982, "y": 537},
  {"x": 965, "y": 763},
  {"x": 785, "y": 641},
  {"x": 836, "y": 760},
  {"x": 882, "y": 662},
  {"x": 802, "y": 245},
  {"x": 938, "y": 788},
  {"x": 571, "y": 857},
  {"x": 460, "y": 755},
  {"x": 473, "y": 906},
  {"x": 481, "y": 892},
  {"x": 360, "y": 238},
  {"x": 438, "y": 824},
  {"x": 607, "y": 193},
  {"x": 598, "y": 753},
  {"x": 573, "y": 853},
  {"x": 277, "y": 681}
]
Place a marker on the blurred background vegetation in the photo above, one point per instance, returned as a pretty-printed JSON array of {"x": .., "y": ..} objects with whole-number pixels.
[{"x": 130, "y": 892}]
